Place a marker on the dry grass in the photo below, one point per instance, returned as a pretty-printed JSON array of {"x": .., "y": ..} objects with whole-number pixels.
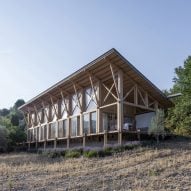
[{"x": 165, "y": 168}]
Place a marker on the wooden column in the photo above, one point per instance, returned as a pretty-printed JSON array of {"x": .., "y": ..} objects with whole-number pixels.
[
  {"x": 29, "y": 146},
  {"x": 120, "y": 107},
  {"x": 56, "y": 132},
  {"x": 44, "y": 145},
  {"x": 47, "y": 130},
  {"x": 36, "y": 144},
  {"x": 81, "y": 124},
  {"x": 105, "y": 138},
  {"x": 55, "y": 143},
  {"x": 99, "y": 119},
  {"x": 68, "y": 142},
  {"x": 84, "y": 140}
]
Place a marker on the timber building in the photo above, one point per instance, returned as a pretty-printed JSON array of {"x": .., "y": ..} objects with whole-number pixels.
[{"x": 96, "y": 105}]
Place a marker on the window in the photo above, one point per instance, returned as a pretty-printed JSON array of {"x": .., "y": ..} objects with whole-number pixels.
[
  {"x": 93, "y": 122},
  {"x": 46, "y": 112},
  {"x": 86, "y": 123},
  {"x": 42, "y": 133},
  {"x": 65, "y": 128},
  {"x": 64, "y": 103},
  {"x": 89, "y": 121},
  {"x": 33, "y": 119},
  {"x": 90, "y": 101},
  {"x": 74, "y": 126},
  {"x": 75, "y": 103},
  {"x": 45, "y": 132},
  {"x": 110, "y": 121},
  {"x": 54, "y": 111},
  {"x": 52, "y": 131},
  {"x": 62, "y": 128}
]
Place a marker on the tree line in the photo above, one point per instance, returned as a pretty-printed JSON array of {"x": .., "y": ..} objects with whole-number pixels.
[{"x": 12, "y": 127}]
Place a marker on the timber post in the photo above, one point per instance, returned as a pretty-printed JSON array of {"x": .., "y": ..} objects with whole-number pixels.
[
  {"x": 36, "y": 145},
  {"x": 29, "y": 146},
  {"x": 68, "y": 142},
  {"x": 84, "y": 140},
  {"x": 120, "y": 107},
  {"x": 105, "y": 138},
  {"x": 55, "y": 143},
  {"x": 44, "y": 145},
  {"x": 139, "y": 134}
]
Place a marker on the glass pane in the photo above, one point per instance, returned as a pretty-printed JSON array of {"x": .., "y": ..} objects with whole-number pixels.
[
  {"x": 74, "y": 126},
  {"x": 53, "y": 130},
  {"x": 110, "y": 121},
  {"x": 64, "y": 128},
  {"x": 86, "y": 123},
  {"x": 91, "y": 106},
  {"x": 60, "y": 129},
  {"x": 42, "y": 133},
  {"x": 76, "y": 111},
  {"x": 90, "y": 99},
  {"x": 93, "y": 122},
  {"x": 105, "y": 121},
  {"x": 46, "y": 112},
  {"x": 45, "y": 132}
]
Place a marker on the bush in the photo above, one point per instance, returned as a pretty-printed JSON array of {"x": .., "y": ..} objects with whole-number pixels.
[
  {"x": 118, "y": 149},
  {"x": 3, "y": 139},
  {"x": 105, "y": 152},
  {"x": 50, "y": 154},
  {"x": 90, "y": 154},
  {"x": 73, "y": 154},
  {"x": 130, "y": 147}
]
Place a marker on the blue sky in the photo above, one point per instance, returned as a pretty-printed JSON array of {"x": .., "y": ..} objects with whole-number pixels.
[{"x": 43, "y": 41}]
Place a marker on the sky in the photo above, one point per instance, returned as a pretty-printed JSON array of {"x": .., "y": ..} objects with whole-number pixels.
[{"x": 44, "y": 41}]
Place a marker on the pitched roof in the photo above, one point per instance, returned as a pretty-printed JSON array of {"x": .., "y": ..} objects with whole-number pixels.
[{"x": 100, "y": 68}]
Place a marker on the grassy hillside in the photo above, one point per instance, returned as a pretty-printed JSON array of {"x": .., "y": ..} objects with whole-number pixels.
[{"x": 167, "y": 167}]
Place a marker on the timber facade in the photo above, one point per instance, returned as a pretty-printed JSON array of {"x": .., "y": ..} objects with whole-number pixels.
[{"x": 97, "y": 104}]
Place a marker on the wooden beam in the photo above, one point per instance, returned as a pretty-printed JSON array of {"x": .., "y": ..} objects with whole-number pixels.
[
  {"x": 53, "y": 105},
  {"x": 139, "y": 106},
  {"x": 109, "y": 91},
  {"x": 47, "y": 115},
  {"x": 79, "y": 104},
  {"x": 139, "y": 92},
  {"x": 113, "y": 75},
  {"x": 65, "y": 105},
  {"x": 135, "y": 95},
  {"x": 127, "y": 94},
  {"x": 108, "y": 105},
  {"x": 39, "y": 119},
  {"x": 92, "y": 85}
]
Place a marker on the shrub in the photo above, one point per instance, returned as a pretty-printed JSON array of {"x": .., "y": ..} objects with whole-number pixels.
[
  {"x": 101, "y": 153},
  {"x": 118, "y": 149},
  {"x": 50, "y": 154},
  {"x": 90, "y": 154},
  {"x": 73, "y": 154},
  {"x": 129, "y": 147},
  {"x": 3, "y": 139},
  {"x": 156, "y": 127},
  {"x": 105, "y": 152}
]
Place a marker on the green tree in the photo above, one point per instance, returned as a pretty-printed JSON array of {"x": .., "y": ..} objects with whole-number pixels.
[
  {"x": 179, "y": 118},
  {"x": 3, "y": 139},
  {"x": 13, "y": 131},
  {"x": 156, "y": 127},
  {"x": 4, "y": 112}
]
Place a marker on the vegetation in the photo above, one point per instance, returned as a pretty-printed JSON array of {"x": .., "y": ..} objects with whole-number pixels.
[
  {"x": 178, "y": 118},
  {"x": 12, "y": 127},
  {"x": 163, "y": 167},
  {"x": 156, "y": 127}
]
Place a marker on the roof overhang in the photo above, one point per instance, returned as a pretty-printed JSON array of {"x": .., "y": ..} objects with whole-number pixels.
[{"x": 99, "y": 68}]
